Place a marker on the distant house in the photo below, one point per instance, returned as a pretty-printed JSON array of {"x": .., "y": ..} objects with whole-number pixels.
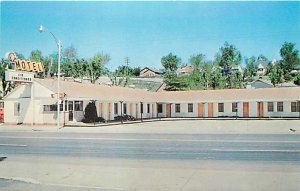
[
  {"x": 262, "y": 66},
  {"x": 185, "y": 70},
  {"x": 296, "y": 70},
  {"x": 237, "y": 68},
  {"x": 259, "y": 84},
  {"x": 150, "y": 72}
]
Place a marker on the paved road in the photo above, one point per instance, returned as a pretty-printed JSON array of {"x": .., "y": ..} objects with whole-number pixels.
[
  {"x": 181, "y": 161},
  {"x": 154, "y": 146}
]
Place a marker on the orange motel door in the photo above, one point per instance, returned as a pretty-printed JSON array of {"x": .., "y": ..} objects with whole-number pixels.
[
  {"x": 168, "y": 110},
  {"x": 100, "y": 109},
  {"x": 210, "y": 109},
  {"x": 260, "y": 109},
  {"x": 108, "y": 111},
  {"x": 245, "y": 109},
  {"x": 200, "y": 110}
]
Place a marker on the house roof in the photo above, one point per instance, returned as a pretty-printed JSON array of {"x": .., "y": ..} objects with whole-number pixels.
[
  {"x": 263, "y": 63},
  {"x": 98, "y": 92},
  {"x": 95, "y": 91},
  {"x": 153, "y": 70},
  {"x": 261, "y": 84},
  {"x": 224, "y": 95}
]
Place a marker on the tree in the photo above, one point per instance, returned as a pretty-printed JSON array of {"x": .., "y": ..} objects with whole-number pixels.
[
  {"x": 171, "y": 64},
  {"x": 297, "y": 80},
  {"x": 289, "y": 58},
  {"x": 262, "y": 57},
  {"x": 36, "y": 56},
  {"x": 70, "y": 53},
  {"x": 236, "y": 80},
  {"x": 276, "y": 75},
  {"x": 95, "y": 67},
  {"x": 69, "y": 57},
  {"x": 195, "y": 80},
  {"x": 218, "y": 81},
  {"x": 123, "y": 71},
  {"x": 250, "y": 69},
  {"x": 6, "y": 85},
  {"x": 229, "y": 56}
]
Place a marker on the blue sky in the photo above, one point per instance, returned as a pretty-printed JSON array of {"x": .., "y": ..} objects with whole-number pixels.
[{"x": 146, "y": 31}]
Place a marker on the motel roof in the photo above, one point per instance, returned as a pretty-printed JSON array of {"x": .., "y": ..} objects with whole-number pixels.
[
  {"x": 97, "y": 92},
  {"x": 231, "y": 95},
  {"x": 75, "y": 90}
]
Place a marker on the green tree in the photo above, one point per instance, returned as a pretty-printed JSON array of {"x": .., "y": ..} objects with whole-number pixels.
[
  {"x": 236, "y": 80},
  {"x": 289, "y": 58},
  {"x": 95, "y": 67},
  {"x": 36, "y": 56},
  {"x": 229, "y": 56},
  {"x": 69, "y": 57},
  {"x": 262, "y": 57},
  {"x": 6, "y": 85},
  {"x": 171, "y": 63},
  {"x": 276, "y": 75},
  {"x": 123, "y": 71},
  {"x": 297, "y": 80},
  {"x": 218, "y": 80},
  {"x": 195, "y": 80},
  {"x": 250, "y": 69}
]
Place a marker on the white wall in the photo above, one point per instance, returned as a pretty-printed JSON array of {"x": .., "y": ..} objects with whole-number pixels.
[
  {"x": 163, "y": 114},
  {"x": 286, "y": 110},
  {"x": 184, "y": 110},
  {"x": 228, "y": 110}
]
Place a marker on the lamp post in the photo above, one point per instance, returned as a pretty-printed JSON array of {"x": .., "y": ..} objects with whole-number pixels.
[
  {"x": 58, "y": 73},
  {"x": 121, "y": 111},
  {"x": 141, "y": 110}
]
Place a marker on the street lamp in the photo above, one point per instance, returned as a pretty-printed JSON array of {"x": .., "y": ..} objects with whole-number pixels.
[{"x": 58, "y": 72}]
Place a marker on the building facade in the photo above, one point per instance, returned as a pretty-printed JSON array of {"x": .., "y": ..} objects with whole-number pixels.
[{"x": 37, "y": 104}]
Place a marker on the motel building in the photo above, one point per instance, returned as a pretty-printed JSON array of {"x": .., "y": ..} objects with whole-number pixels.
[{"x": 35, "y": 103}]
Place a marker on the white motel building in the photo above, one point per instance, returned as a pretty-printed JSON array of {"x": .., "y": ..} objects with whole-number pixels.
[{"x": 36, "y": 103}]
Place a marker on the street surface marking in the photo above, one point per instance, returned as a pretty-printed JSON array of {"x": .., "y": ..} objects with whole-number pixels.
[
  {"x": 130, "y": 139},
  {"x": 13, "y": 145},
  {"x": 256, "y": 150}
]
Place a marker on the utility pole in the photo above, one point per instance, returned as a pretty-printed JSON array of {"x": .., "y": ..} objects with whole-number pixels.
[
  {"x": 49, "y": 67},
  {"x": 127, "y": 63}
]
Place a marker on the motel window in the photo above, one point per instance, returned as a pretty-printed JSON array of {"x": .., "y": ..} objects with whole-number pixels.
[
  {"x": 234, "y": 107},
  {"x": 142, "y": 108},
  {"x": 124, "y": 108},
  {"x": 78, "y": 105},
  {"x": 48, "y": 108},
  {"x": 159, "y": 108},
  {"x": 116, "y": 109},
  {"x": 270, "y": 107},
  {"x": 177, "y": 108},
  {"x": 148, "y": 108},
  {"x": 190, "y": 107},
  {"x": 221, "y": 107},
  {"x": 294, "y": 107},
  {"x": 17, "y": 109},
  {"x": 279, "y": 106}
]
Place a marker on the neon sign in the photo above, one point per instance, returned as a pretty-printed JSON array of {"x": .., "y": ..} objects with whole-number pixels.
[{"x": 25, "y": 65}]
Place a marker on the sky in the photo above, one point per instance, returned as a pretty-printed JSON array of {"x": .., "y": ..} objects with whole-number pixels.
[{"x": 147, "y": 31}]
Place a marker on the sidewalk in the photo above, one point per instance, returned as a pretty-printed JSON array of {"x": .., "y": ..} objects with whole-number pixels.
[{"x": 191, "y": 126}]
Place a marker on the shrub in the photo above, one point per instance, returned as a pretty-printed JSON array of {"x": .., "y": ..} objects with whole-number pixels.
[
  {"x": 90, "y": 114},
  {"x": 124, "y": 118}
]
